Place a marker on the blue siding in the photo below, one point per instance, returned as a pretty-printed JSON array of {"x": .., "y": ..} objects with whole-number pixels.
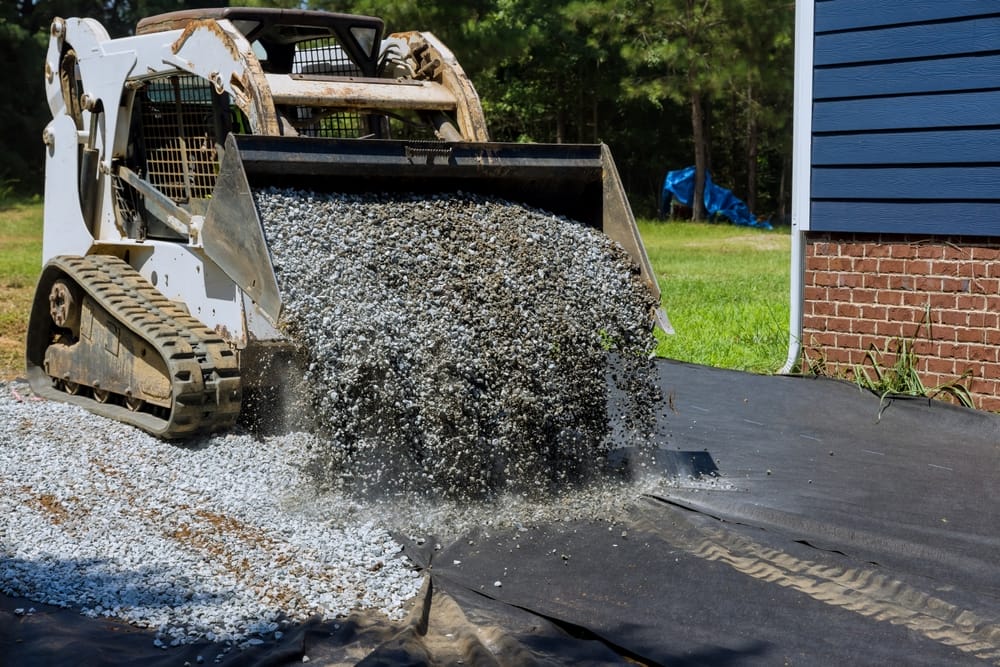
[
  {"x": 907, "y": 78},
  {"x": 964, "y": 219},
  {"x": 912, "y": 41},
  {"x": 902, "y": 113},
  {"x": 906, "y": 117},
  {"x": 956, "y": 147},
  {"x": 855, "y": 14}
]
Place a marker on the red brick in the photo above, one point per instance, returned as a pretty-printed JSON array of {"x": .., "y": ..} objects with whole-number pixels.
[
  {"x": 982, "y": 385},
  {"x": 848, "y": 341},
  {"x": 891, "y": 266},
  {"x": 813, "y": 322},
  {"x": 889, "y": 298},
  {"x": 924, "y": 348},
  {"x": 840, "y": 324},
  {"x": 930, "y": 251},
  {"x": 821, "y": 338},
  {"x": 863, "y": 296},
  {"x": 976, "y": 319},
  {"x": 852, "y": 310},
  {"x": 850, "y": 248},
  {"x": 944, "y": 268},
  {"x": 818, "y": 263},
  {"x": 987, "y": 403},
  {"x": 875, "y": 281},
  {"x": 941, "y": 301},
  {"x": 841, "y": 263},
  {"x": 813, "y": 293},
  {"x": 956, "y": 285},
  {"x": 903, "y": 314},
  {"x": 840, "y": 294},
  {"x": 825, "y": 308},
  {"x": 955, "y": 251},
  {"x": 983, "y": 353},
  {"x": 904, "y": 250},
  {"x": 953, "y": 317},
  {"x": 970, "y": 302},
  {"x": 918, "y": 266},
  {"x": 973, "y": 270},
  {"x": 951, "y": 350},
  {"x": 988, "y": 285},
  {"x": 869, "y": 342},
  {"x": 824, "y": 248},
  {"x": 915, "y": 299},
  {"x": 866, "y": 265},
  {"x": 966, "y": 335},
  {"x": 889, "y": 329},
  {"x": 851, "y": 280},
  {"x": 826, "y": 279},
  {"x": 899, "y": 282},
  {"x": 877, "y": 250},
  {"x": 937, "y": 365},
  {"x": 986, "y": 253},
  {"x": 872, "y": 312},
  {"x": 838, "y": 355}
]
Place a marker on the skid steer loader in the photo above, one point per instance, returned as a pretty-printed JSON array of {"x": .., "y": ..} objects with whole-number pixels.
[{"x": 158, "y": 304}]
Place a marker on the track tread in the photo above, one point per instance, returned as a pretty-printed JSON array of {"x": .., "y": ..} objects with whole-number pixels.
[{"x": 204, "y": 371}]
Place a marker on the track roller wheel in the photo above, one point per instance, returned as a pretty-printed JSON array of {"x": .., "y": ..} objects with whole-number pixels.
[
  {"x": 102, "y": 395},
  {"x": 64, "y": 306}
]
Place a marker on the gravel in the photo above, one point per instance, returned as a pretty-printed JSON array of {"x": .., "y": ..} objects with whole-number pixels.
[
  {"x": 471, "y": 363},
  {"x": 460, "y": 345},
  {"x": 201, "y": 541}
]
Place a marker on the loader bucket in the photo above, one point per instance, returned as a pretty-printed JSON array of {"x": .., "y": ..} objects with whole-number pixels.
[{"x": 577, "y": 181}]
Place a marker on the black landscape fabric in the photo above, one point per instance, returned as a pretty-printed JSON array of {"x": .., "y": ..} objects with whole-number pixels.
[{"x": 803, "y": 528}]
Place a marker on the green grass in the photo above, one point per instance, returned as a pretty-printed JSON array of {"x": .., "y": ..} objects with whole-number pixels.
[
  {"x": 20, "y": 264},
  {"x": 726, "y": 291}
]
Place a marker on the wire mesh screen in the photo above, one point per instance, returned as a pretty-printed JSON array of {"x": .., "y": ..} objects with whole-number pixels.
[
  {"x": 178, "y": 124},
  {"x": 323, "y": 56},
  {"x": 313, "y": 122}
]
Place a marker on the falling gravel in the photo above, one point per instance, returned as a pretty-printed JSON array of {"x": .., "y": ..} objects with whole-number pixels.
[{"x": 457, "y": 344}]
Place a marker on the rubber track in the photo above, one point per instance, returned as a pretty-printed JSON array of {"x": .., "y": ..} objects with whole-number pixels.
[{"x": 203, "y": 369}]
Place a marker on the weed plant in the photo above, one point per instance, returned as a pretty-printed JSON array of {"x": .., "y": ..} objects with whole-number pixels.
[{"x": 900, "y": 378}]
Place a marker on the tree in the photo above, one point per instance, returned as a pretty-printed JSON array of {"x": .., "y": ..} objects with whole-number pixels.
[{"x": 674, "y": 51}]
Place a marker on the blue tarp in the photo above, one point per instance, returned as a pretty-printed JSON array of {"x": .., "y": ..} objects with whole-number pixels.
[{"x": 679, "y": 185}]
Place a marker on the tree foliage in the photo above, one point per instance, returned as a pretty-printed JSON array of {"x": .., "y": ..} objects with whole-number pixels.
[{"x": 666, "y": 83}]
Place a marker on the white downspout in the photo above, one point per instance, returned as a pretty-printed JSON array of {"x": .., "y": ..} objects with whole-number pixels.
[{"x": 801, "y": 171}]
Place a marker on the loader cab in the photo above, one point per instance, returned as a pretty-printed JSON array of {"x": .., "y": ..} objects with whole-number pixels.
[{"x": 303, "y": 45}]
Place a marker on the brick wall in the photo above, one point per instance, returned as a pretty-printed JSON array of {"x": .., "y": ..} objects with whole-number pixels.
[{"x": 865, "y": 289}]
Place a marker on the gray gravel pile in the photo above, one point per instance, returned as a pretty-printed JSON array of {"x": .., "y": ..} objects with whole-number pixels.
[
  {"x": 199, "y": 542},
  {"x": 460, "y": 345}
]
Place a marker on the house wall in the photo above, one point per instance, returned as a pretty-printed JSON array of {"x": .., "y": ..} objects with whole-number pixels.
[
  {"x": 863, "y": 292},
  {"x": 903, "y": 219}
]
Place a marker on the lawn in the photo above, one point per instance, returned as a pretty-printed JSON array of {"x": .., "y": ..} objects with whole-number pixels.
[
  {"x": 20, "y": 263},
  {"x": 725, "y": 289}
]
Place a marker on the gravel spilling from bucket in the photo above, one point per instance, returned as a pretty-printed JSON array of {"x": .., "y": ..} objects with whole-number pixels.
[
  {"x": 460, "y": 345},
  {"x": 199, "y": 541}
]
